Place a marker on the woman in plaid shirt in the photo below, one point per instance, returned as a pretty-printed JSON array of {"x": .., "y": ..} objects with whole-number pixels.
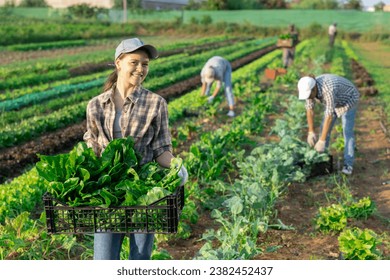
[
  {"x": 125, "y": 109},
  {"x": 340, "y": 98}
]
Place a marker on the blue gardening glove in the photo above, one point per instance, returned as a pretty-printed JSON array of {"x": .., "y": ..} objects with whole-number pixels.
[
  {"x": 311, "y": 139},
  {"x": 183, "y": 174},
  {"x": 210, "y": 99},
  {"x": 320, "y": 146}
]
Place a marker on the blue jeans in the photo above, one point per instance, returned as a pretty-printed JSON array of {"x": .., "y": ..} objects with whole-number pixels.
[
  {"x": 348, "y": 123},
  {"x": 228, "y": 85},
  {"x": 288, "y": 56},
  {"x": 107, "y": 246}
]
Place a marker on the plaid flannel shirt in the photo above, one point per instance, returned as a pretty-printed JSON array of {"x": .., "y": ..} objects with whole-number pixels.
[
  {"x": 336, "y": 93},
  {"x": 144, "y": 117}
]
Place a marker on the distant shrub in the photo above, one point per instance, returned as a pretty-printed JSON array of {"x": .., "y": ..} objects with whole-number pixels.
[
  {"x": 231, "y": 28},
  {"x": 33, "y": 3},
  {"x": 206, "y": 19},
  {"x": 85, "y": 11},
  {"x": 313, "y": 30},
  {"x": 9, "y": 3},
  {"x": 194, "y": 20},
  {"x": 6, "y": 9},
  {"x": 178, "y": 20}
]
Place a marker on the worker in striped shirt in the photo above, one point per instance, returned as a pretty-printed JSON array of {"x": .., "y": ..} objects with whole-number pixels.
[{"x": 340, "y": 98}]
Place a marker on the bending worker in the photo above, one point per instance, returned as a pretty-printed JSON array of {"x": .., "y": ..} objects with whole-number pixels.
[
  {"x": 218, "y": 69},
  {"x": 340, "y": 98}
]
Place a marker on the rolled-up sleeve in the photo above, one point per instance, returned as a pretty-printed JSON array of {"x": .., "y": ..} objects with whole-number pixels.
[
  {"x": 162, "y": 137},
  {"x": 309, "y": 105}
]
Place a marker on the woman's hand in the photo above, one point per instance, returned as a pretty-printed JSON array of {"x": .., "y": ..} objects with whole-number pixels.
[{"x": 183, "y": 174}]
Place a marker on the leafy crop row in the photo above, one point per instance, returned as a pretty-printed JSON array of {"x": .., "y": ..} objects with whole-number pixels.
[{"x": 59, "y": 69}]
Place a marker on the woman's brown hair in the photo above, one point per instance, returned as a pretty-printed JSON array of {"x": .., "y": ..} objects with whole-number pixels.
[{"x": 111, "y": 80}]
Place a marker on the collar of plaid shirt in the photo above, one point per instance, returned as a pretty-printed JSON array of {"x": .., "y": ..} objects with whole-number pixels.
[{"x": 109, "y": 95}]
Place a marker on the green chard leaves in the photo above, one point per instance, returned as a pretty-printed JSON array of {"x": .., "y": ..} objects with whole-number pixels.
[{"x": 80, "y": 178}]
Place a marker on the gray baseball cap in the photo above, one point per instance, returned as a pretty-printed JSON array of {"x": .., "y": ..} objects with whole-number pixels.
[{"x": 133, "y": 44}]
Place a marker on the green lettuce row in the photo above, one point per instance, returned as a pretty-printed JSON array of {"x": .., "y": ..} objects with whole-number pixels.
[
  {"x": 33, "y": 79},
  {"x": 22, "y": 194},
  {"x": 17, "y": 117},
  {"x": 46, "y": 45},
  {"x": 42, "y": 65},
  {"x": 33, "y": 127},
  {"x": 38, "y": 97},
  {"x": 60, "y": 70},
  {"x": 7, "y": 95}
]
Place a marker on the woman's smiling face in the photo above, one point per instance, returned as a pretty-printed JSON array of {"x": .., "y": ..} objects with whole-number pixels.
[{"x": 133, "y": 67}]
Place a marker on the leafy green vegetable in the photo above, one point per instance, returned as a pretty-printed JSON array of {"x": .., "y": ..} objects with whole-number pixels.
[
  {"x": 331, "y": 218},
  {"x": 357, "y": 244},
  {"x": 361, "y": 209},
  {"x": 285, "y": 36},
  {"x": 152, "y": 196},
  {"x": 114, "y": 179}
]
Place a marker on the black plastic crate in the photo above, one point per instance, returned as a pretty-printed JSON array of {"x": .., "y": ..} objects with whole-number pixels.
[
  {"x": 161, "y": 216},
  {"x": 322, "y": 168}
]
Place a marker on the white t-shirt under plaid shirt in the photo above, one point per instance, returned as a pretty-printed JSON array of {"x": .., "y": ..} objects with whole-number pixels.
[
  {"x": 144, "y": 117},
  {"x": 336, "y": 93}
]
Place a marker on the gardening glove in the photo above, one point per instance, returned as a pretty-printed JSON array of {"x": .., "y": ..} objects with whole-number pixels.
[
  {"x": 183, "y": 174},
  {"x": 320, "y": 146},
  {"x": 311, "y": 139},
  {"x": 210, "y": 99}
]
